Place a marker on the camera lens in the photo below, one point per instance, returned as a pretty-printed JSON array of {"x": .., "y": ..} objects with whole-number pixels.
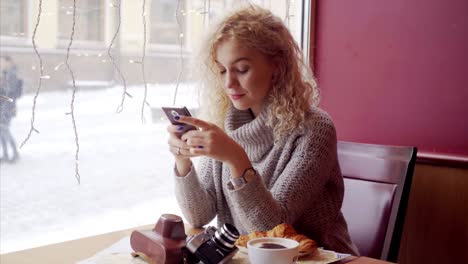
[{"x": 226, "y": 236}]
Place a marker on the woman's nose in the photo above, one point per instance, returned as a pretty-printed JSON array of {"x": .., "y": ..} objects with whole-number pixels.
[{"x": 230, "y": 81}]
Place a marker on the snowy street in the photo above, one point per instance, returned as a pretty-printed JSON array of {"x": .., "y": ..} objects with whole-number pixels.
[{"x": 125, "y": 167}]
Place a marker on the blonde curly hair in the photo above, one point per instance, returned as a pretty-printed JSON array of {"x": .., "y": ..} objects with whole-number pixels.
[{"x": 294, "y": 88}]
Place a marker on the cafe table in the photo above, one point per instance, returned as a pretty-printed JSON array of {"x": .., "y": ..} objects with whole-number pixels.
[{"x": 76, "y": 250}]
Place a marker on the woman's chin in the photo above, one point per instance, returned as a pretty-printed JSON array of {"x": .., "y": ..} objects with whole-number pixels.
[{"x": 241, "y": 107}]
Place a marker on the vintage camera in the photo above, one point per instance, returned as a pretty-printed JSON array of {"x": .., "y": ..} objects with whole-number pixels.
[{"x": 214, "y": 246}]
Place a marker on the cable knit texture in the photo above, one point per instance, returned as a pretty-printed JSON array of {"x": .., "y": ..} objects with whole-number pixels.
[{"x": 299, "y": 182}]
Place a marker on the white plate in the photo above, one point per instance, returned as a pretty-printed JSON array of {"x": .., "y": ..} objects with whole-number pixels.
[
  {"x": 245, "y": 251},
  {"x": 322, "y": 256}
]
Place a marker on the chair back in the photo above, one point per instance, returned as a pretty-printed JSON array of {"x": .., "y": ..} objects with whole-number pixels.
[{"x": 377, "y": 182}]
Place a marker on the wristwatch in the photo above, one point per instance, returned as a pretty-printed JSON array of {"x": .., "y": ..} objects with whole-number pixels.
[{"x": 237, "y": 183}]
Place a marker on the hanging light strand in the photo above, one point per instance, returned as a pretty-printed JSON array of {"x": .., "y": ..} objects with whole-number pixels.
[
  {"x": 144, "y": 103},
  {"x": 111, "y": 58},
  {"x": 181, "y": 49},
  {"x": 206, "y": 12},
  {"x": 41, "y": 69},
  {"x": 288, "y": 15},
  {"x": 72, "y": 103}
]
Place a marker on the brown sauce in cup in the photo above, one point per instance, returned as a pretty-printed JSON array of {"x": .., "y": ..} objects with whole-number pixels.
[{"x": 272, "y": 246}]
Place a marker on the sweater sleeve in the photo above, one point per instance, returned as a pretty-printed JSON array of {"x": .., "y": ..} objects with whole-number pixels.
[
  {"x": 312, "y": 162},
  {"x": 195, "y": 194}
]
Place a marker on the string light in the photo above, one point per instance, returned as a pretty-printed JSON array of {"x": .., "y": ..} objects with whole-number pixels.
[
  {"x": 144, "y": 103},
  {"x": 72, "y": 103},
  {"x": 206, "y": 10},
  {"x": 116, "y": 67},
  {"x": 38, "y": 89},
  {"x": 287, "y": 16},
  {"x": 58, "y": 66},
  {"x": 181, "y": 41},
  {"x": 6, "y": 98}
]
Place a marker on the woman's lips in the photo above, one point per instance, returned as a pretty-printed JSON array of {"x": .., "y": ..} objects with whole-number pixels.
[{"x": 236, "y": 96}]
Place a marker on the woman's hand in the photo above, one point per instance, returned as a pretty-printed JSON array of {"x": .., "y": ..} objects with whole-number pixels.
[
  {"x": 177, "y": 146},
  {"x": 180, "y": 150},
  {"x": 213, "y": 142}
]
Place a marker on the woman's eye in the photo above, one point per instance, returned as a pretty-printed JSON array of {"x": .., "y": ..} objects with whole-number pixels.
[
  {"x": 222, "y": 72},
  {"x": 243, "y": 70}
]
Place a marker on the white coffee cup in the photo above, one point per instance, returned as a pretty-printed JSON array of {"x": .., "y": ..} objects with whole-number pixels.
[{"x": 272, "y": 250}]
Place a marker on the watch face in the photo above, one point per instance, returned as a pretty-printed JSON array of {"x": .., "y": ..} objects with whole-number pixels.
[
  {"x": 238, "y": 182},
  {"x": 244, "y": 179}
]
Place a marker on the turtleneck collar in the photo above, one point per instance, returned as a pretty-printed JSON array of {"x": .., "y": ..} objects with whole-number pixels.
[{"x": 251, "y": 132}]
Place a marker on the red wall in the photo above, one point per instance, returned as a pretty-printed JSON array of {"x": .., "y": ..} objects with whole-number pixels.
[{"x": 395, "y": 72}]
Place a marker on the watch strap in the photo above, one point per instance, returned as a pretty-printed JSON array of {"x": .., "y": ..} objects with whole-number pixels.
[{"x": 243, "y": 179}]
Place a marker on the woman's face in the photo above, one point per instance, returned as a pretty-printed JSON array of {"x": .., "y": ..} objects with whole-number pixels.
[{"x": 247, "y": 75}]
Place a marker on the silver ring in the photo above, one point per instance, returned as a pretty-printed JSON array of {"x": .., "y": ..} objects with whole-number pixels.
[{"x": 178, "y": 150}]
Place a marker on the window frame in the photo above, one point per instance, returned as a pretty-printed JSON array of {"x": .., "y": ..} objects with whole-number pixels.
[
  {"x": 169, "y": 50},
  {"x": 24, "y": 40},
  {"x": 81, "y": 47},
  {"x": 62, "y": 43}
]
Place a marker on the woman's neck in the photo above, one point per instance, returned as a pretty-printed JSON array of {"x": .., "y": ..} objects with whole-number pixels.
[{"x": 255, "y": 110}]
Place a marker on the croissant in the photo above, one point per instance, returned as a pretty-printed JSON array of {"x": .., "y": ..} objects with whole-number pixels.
[
  {"x": 257, "y": 234},
  {"x": 305, "y": 244},
  {"x": 282, "y": 230}
]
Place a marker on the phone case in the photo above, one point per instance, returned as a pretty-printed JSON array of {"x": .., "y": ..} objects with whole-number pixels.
[{"x": 172, "y": 112}]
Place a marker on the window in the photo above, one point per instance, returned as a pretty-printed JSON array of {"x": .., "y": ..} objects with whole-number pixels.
[
  {"x": 164, "y": 26},
  {"x": 124, "y": 164},
  {"x": 13, "y": 18},
  {"x": 89, "y": 19}
]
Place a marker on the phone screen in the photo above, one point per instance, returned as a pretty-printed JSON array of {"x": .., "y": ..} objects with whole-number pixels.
[{"x": 172, "y": 112}]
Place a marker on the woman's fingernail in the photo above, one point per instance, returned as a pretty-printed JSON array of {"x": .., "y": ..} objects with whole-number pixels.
[
  {"x": 180, "y": 128},
  {"x": 200, "y": 146},
  {"x": 176, "y": 117}
]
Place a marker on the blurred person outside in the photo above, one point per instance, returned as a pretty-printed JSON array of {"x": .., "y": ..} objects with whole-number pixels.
[{"x": 11, "y": 88}]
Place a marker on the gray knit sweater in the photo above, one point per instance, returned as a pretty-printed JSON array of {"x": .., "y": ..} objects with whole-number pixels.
[{"x": 299, "y": 182}]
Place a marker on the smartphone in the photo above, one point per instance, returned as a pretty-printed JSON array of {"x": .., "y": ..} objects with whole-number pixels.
[{"x": 172, "y": 112}]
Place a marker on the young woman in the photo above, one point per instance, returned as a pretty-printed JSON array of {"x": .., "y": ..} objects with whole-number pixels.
[{"x": 268, "y": 153}]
